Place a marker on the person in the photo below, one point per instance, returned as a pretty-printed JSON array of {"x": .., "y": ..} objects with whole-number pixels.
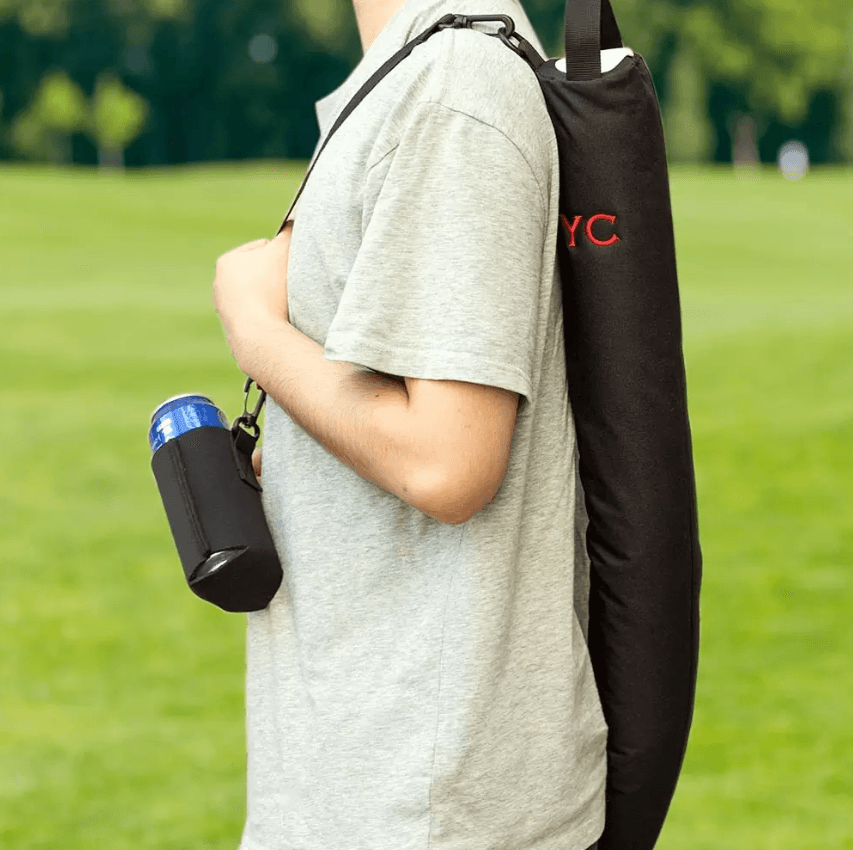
[{"x": 421, "y": 680}]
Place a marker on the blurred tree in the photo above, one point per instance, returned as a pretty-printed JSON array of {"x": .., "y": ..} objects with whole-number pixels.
[
  {"x": 843, "y": 136},
  {"x": 687, "y": 128},
  {"x": 165, "y": 10},
  {"x": 117, "y": 118},
  {"x": 325, "y": 21},
  {"x": 776, "y": 52},
  {"x": 41, "y": 17},
  {"x": 232, "y": 79},
  {"x": 43, "y": 130}
]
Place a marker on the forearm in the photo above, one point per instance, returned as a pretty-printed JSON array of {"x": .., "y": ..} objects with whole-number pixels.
[{"x": 363, "y": 419}]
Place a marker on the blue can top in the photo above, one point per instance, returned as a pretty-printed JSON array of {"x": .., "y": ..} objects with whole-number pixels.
[{"x": 181, "y": 414}]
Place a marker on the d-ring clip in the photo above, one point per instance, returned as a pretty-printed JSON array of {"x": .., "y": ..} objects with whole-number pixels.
[{"x": 250, "y": 420}]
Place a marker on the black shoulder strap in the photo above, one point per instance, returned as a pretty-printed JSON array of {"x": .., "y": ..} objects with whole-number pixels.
[
  {"x": 590, "y": 28},
  {"x": 395, "y": 60}
]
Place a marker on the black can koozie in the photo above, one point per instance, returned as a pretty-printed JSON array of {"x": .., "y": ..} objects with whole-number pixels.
[{"x": 211, "y": 495}]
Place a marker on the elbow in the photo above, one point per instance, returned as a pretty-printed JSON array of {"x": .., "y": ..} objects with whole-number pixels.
[{"x": 454, "y": 504}]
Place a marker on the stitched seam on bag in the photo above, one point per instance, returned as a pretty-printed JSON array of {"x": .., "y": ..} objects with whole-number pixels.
[{"x": 189, "y": 504}]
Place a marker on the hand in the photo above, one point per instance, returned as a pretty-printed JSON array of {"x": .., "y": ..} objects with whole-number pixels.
[
  {"x": 256, "y": 462},
  {"x": 251, "y": 287}
]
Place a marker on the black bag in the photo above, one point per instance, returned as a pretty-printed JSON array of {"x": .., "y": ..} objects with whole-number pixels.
[
  {"x": 627, "y": 388},
  {"x": 213, "y": 504}
]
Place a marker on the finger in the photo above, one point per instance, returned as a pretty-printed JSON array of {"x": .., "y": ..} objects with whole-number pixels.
[
  {"x": 282, "y": 240},
  {"x": 250, "y": 246}
]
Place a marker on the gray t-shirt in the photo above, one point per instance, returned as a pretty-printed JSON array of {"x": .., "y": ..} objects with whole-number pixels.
[{"x": 416, "y": 685}]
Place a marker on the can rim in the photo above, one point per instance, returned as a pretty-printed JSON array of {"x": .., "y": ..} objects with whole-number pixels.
[{"x": 175, "y": 398}]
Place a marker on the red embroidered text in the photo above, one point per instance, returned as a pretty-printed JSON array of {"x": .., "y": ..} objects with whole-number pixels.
[{"x": 571, "y": 229}]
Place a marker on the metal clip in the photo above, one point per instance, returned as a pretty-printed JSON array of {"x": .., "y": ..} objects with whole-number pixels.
[
  {"x": 465, "y": 21},
  {"x": 504, "y": 33},
  {"x": 250, "y": 420}
]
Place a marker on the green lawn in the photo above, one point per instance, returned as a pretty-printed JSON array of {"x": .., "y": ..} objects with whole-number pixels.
[{"x": 121, "y": 693}]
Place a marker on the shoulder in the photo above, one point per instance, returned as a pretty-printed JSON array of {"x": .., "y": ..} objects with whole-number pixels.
[
  {"x": 471, "y": 76},
  {"x": 480, "y": 75}
]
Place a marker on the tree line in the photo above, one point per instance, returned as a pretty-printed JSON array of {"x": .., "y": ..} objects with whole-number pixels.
[{"x": 159, "y": 82}]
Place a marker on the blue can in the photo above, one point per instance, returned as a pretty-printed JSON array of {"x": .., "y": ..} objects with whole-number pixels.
[{"x": 183, "y": 413}]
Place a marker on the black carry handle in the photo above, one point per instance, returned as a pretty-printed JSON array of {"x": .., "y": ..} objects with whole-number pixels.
[{"x": 590, "y": 28}]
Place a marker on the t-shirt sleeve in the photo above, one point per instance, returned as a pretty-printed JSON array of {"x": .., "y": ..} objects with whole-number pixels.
[{"x": 447, "y": 282}]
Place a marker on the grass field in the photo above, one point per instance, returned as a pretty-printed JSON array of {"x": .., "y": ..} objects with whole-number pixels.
[{"x": 121, "y": 693}]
